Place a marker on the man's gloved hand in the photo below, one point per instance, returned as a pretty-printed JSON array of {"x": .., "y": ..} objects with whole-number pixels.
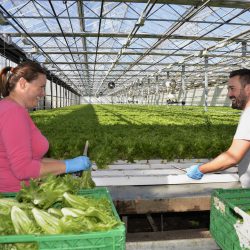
[
  {"x": 77, "y": 164},
  {"x": 194, "y": 172}
]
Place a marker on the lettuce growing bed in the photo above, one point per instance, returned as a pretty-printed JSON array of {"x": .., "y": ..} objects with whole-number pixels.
[
  {"x": 136, "y": 132},
  {"x": 113, "y": 239}
]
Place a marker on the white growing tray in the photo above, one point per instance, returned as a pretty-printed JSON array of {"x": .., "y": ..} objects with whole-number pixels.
[{"x": 156, "y": 172}]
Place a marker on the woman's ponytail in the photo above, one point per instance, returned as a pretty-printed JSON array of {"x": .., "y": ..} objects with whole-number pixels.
[{"x": 5, "y": 75}]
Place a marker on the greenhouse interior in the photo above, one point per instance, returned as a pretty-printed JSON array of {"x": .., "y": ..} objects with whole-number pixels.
[{"x": 143, "y": 105}]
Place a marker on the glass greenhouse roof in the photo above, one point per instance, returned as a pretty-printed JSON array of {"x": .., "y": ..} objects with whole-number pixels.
[{"x": 92, "y": 44}]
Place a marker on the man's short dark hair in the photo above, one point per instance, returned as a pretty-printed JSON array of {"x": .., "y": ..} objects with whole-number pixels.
[{"x": 244, "y": 75}]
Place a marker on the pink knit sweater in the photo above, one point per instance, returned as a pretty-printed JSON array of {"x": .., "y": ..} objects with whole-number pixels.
[{"x": 22, "y": 146}]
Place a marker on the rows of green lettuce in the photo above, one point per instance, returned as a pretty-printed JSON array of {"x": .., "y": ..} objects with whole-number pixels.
[{"x": 134, "y": 132}]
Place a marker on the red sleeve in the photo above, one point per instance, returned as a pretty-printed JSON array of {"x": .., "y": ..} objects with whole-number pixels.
[{"x": 16, "y": 134}]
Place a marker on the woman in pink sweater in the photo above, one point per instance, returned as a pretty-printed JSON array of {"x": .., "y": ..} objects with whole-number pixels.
[{"x": 22, "y": 146}]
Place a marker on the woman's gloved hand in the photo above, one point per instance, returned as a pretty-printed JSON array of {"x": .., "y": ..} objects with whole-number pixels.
[
  {"x": 77, "y": 164},
  {"x": 194, "y": 172}
]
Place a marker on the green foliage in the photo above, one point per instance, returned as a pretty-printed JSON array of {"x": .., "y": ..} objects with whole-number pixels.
[
  {"x": 62, "y": 214},
  {"x": 21, "y": 222},
  {"x": 96, "y": 214},
  {"x": 86, "y": 180},
  {"x": 47, "y": 222},
  {"x": 6, "y": 226},
  {"x": 6, "y": 205},
  {"x": 126, "y": 132},
  {"x": 43, "y": 193}
]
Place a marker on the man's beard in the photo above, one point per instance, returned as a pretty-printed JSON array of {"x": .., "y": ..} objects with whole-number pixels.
[{"x": 240, "y": 102}]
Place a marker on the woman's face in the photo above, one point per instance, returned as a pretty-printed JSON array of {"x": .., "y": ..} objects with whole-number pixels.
[{"x": 35, "y": 90}]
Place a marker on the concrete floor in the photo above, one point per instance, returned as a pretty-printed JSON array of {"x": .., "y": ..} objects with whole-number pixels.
[
  {"x": 196, "y": 239},
  {"x": 185, "y": 244}
]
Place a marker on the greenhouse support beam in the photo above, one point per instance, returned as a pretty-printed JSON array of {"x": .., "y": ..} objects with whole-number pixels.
[
  {"x": 143, "y": 16},
  {"x": 206, "y": 83},
  {"x": 213, "y": 3},
  {"x": 120, "y": 35},
  {"x": 98, "y": 38},
  {"x": 128, "y": 19},
  {"x": 143, "y": 63},
  {"x": 51, "y": 92},
  {"x": 140, "y": 53},
  {"x": 60, "y": 96},
  {"x": 80, "y": 10},
  {"x": 62, "y": 33},
  {"x": 183, "y": 87},
  {"x": 14, "y": 54},
  {"x": 57, "y": 96},
  {"x": 146, "y": 74}
]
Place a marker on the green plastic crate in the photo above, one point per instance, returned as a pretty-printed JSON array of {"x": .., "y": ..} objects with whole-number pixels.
[
  {"x": 113, "y": 239},
  {"x": 229, "y": 222}
]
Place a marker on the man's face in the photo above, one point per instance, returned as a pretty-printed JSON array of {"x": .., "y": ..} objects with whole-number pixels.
[{"x": 237, "y": 93}]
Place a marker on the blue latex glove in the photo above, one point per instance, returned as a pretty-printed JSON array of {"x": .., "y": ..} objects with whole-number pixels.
[
  {"x": 77, "y": 164},
  {"x": 194, "y": 172}
]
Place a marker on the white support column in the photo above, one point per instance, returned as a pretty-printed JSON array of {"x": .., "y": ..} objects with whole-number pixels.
[
  {"x": 183, "y": 86},
  {"x": 148, "y": 96},
  {"x": 206, "y": 84},
  {"x": 157, "y": 90},
  {"x": 162, "y": 99},
  {"x": 142, "y": 94},
  {"x": 51, "y": 93},
  {"x": 126, "y": 101}
]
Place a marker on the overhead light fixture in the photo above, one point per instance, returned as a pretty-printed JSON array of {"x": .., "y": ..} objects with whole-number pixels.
[
  {"x": 7, "y": 38},
  {"x": 3, "y": 19},
  {"x": 36, "y": 51},
  {"x": 25, "y": 40},
  {"x": 111, "y": 85},
  {"x": 141, "y": 20},
  {"x": 204, "y": 52}
]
